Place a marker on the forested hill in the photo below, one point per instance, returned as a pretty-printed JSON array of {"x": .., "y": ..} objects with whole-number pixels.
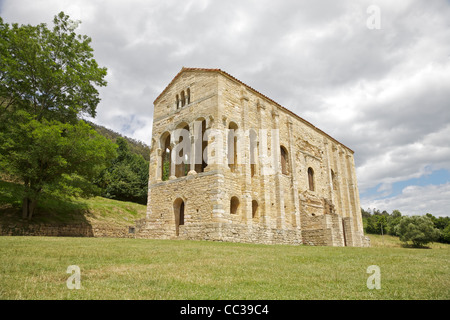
[{"x": 135, "y": 146}]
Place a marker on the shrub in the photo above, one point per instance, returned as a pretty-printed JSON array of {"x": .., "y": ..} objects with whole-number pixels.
[
  {"x": 419, "y": 230},
  {"x": 445, "y": 236}
]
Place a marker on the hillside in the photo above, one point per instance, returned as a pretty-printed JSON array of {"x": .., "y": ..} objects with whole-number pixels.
[
  {"x": 136, "y": 146},
  {"x": 54, "y": 210}
]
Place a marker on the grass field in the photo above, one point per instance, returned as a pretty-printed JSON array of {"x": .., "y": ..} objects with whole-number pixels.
[{"x": 35, "y": 268}]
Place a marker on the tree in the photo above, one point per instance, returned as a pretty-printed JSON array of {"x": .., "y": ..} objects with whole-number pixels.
[
  {"x": 419, "y": 230},
  {"x": 392, "y": 222},
  {"x": 376, "y": 224},
  {"x": 48, "y": 73},
  {"x": 42, "y": 154},
  {"x": 365, "y": 214},
  {"x": 48, "y": 78},
  {"x": 126, "y": 178},
  {"x": 134, "y": 145},
  {"x": 441, "y": 223},
  {"x": 445, "y": 236}
]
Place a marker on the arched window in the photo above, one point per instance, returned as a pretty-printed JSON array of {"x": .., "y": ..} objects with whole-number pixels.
[
  {"x": 284, "y": 160},
  {"x": 253, "y": 151},
  {"x": 254, "y": 208},
  {"x": 333, "y": 180},
  {"x": 182, "y": 98},
  {"x": 203, "y": 141},
  {"x": 178, "y": 102},
  {"x": 166, "y": 157},
  {"x": 234, "y": 205},
  {"x": 311, "y": 178},
  {"x": 232, "y": 146},
  {"x": 188, "y": 96},
  {"x": 183, "y": 149},
  {"x": 178, "y": 210},
  {"x": 181, "y": 223}
]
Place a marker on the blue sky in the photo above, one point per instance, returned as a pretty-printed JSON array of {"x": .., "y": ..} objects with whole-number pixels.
[
  {"x": 436, "y": 183},
  {"x": 438, "y": 177},
  {"x": 384, "y": 92}
]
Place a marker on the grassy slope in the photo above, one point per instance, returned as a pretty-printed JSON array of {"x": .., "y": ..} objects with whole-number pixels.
[{"x": 54, "y": 210}]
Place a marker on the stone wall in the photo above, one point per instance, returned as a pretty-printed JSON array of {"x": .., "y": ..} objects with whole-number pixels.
[
  {"x": 217, "y": 231},
  {"x": 290, "y": 209},
  {"x": 80, "y": 230}
]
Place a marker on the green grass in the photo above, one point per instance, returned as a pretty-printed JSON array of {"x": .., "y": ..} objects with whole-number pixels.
[
  {"x": 388, "y": 241},
  {"x": 35, "y": 268}
]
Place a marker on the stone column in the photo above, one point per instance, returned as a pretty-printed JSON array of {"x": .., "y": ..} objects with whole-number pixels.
[
  {"x": 172, "y": 159},
  {"x": 328, "y": 168},
  {"x": 193, "y": 135},
  {"x": 339, "y": 204},
  {"x": 149, "y": 201},
  {"x": 344, "y": 184},
  {"x": 353, "y": 188},
  {"x": 244, "y": 161},
  {"x": 159, "y": 164},
  {"x": 293, "y": 173},
  {"x": 357, "y": 200},
  {"x": 279, "y": 195},
  {"x": 150, "y": 180},
  {"x": 265, "y": 206},
  {"x": 215, "y": 145}
]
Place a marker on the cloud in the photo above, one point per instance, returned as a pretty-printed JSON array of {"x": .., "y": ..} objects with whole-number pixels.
[
  {"x": 415, "y": 200},
  {"x": 384, "y": 93}
]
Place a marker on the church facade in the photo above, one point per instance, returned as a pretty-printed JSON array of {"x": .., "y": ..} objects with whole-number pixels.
[{"x": 228, "y": 163}]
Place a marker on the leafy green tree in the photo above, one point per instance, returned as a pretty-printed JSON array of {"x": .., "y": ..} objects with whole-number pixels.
[
  {"x": 48, "y": 78},
  {"x": 43, "y": 153},
  {"x": 48, "y": 73},
  {"x": 442, "y": 224},
  {"x": 445, "y": 234},
  {"x": 127, "y": 177},
  {"x": 376, "y": 224},
  {"x": 392, "y": 222},
  {"x": 135, "y": 146},
  {"x": 376, "y": 212},
  {"x": 419, "y": 230},
  {"x": 365, "y": 214}
]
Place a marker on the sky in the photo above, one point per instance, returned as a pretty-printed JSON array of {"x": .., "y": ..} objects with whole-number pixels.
[{"x": 375, "y": 75}]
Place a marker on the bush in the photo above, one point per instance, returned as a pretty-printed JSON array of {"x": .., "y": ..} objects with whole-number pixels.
[
  {"x": 445, "y": 234},
  {"x": 419, "y": 230}
]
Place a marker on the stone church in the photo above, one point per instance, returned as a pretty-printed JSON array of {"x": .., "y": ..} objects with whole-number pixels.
[{"x": 228, "y": 163}]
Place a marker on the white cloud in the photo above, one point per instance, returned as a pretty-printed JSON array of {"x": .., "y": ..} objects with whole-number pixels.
[
  {"x": 415, "y": 200},
  {"x": 384, "y": 93}
]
